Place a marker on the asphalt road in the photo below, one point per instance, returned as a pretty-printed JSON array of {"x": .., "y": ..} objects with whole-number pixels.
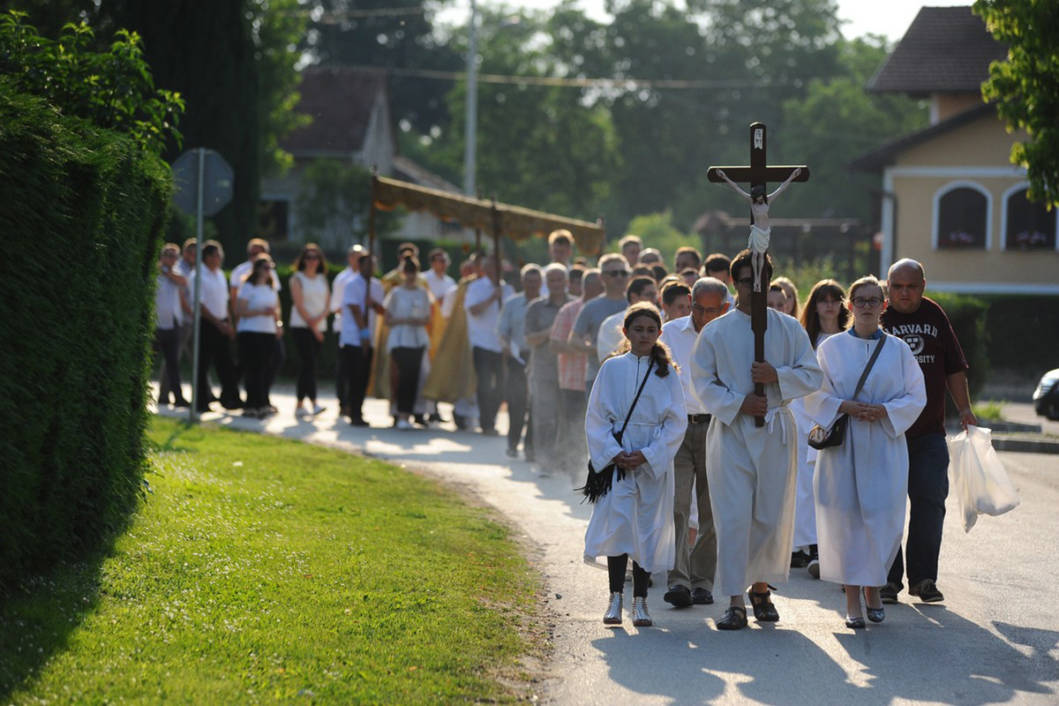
[{"x": 995, "y": 638}]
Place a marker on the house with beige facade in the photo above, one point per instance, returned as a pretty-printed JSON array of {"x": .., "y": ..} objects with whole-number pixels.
[{"x": 951, "y": 199}]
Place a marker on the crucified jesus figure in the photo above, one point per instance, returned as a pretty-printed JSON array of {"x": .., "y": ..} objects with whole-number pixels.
[{"x": 759, "y": 220}]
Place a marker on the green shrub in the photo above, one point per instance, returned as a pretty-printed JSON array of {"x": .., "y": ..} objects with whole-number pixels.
[
  {"x": 1025, "y": 331},
  {"x": 81, "y": 212},
  {"x": 968, "y": 316}
]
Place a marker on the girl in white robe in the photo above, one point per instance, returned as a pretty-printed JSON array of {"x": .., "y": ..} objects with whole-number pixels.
[
  {"x": 825, "y": 315},
  {"x": 861, "y": 484},
  {"x": 635, "y": 519}
]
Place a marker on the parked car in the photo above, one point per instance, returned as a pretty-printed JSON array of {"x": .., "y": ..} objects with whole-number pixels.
[{"x": 1046, "y": 396}]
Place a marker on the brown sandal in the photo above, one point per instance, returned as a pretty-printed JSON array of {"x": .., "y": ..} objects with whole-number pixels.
[{"x": 764, "y": 610}]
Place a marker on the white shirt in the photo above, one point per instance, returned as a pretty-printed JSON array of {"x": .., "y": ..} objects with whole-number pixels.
[
  {"x": 481, "y": 329},
  {"x": 355, "y": 292},
  {"x": 214, "y": 295},
  {"x": 314, "y": 300},
  {"x": 167, "y": 303},
  {"x": 243, "y": 269},
  {"x": 610, "y": 335},
  {"x": 257, "y": 296},
  {"x": 439, "y": 286},
  {"x": 338, "y": 288},
  {"x": 404, "y": 303},
  {"x": 680, "y": 335}
]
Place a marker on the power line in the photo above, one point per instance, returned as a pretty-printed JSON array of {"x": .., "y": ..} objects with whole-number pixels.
[{"x": 626, "y": 84}]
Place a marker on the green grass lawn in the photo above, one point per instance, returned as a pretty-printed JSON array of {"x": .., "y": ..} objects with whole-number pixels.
[{"x": 262, "y": 569}]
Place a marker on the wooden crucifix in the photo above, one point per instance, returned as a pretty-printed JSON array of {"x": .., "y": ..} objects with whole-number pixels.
[{"x": 758, "y": 174}]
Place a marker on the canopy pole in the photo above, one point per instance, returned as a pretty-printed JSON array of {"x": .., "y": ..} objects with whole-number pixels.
[
  {"x": 371, "y": 213},
  {"x": 496, "y": 240}
]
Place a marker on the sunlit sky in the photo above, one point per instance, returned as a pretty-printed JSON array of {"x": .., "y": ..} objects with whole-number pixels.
[{"x": 887, "y": 17}]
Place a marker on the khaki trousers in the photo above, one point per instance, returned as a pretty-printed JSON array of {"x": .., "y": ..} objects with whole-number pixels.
[{"x": 694, "y": 566}]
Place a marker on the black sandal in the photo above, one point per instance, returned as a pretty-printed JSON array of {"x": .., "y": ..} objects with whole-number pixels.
[
  {"x": 734, "y": 619},
  {"x": 764, "y": 610}
]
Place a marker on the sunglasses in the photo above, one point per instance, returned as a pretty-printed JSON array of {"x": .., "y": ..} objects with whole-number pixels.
[
  {"x": 863, "y": 302},
  {"x": 616, "y": 273}
]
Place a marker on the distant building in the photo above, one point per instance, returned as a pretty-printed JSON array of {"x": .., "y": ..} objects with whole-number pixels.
[
  {"x": 351, "y": 116},
  {"x": 951, "y": 198}
]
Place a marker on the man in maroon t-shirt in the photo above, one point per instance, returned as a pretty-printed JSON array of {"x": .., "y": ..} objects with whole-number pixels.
[{"x": 922, "y": 324}]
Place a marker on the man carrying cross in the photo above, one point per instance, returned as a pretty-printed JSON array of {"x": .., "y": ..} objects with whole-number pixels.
[{"x": 746, "y": 367}]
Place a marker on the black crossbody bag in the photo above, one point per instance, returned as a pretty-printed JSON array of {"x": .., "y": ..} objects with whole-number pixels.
[
  {"x": 822, "y": 438},
  {"x": 598, "y": 483}
]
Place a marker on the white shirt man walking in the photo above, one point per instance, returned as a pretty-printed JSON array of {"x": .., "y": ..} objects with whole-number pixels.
[{"x": 691, "y": 579}]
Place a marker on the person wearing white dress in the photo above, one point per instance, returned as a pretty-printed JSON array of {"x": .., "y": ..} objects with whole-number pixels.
[
  {"x": 861, "y": 484},
  {"x": 635, "y": 518},
  {"x": 752, "y": 470},
  {"x": 825, "y": 314}
]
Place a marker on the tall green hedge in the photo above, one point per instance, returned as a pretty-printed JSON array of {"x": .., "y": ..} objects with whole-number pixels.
[{"x": 81, "y": 213}]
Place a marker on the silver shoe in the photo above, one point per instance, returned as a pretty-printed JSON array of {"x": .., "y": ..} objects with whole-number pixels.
[
  {"x": 613, "y": 614},
  {"x": 640, "y": 617}
]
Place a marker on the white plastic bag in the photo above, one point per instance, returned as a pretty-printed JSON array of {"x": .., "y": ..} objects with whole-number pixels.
[{"x": 978, "y": 476}]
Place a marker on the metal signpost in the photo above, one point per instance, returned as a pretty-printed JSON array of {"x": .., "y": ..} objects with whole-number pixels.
[{"x": 204, "y": 183}]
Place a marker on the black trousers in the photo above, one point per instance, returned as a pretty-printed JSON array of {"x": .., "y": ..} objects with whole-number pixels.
[
  {"x": 214, "y": 351},
  {"x": 167, "y": 341},
  {"x": 357, "y": 363},
  {"x": 255, "y": 354},
  {"x": 516, "y": 391},
  {"x": 279, "y": 354},
  {"x": 308, "y": 354},
  {"x": 407, "y": 362},
  {"x": 488, "y": 366},
  {"x": 928, "y": 486}
]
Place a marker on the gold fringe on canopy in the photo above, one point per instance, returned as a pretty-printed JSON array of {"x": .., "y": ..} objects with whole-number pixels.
[{"x": 515, "y": 222}]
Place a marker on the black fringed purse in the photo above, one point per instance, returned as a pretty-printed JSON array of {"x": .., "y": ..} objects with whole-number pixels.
[
  {"x": 821, "y": 437},
  {"x": 598, "y": 483}
]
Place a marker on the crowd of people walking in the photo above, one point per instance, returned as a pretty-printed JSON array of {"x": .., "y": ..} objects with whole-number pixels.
[{"x": 647, "y": 373}]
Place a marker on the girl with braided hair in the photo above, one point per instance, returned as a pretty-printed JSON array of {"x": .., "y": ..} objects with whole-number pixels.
[{"x": 635, "y": 518}]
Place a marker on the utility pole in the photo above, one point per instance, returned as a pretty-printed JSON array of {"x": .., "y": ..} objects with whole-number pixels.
[{"x": 471, "y": 129}]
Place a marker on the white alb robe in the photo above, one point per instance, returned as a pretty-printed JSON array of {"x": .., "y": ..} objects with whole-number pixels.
[
  {"x": 805, "y": 500},
  {"x": 636, "y": 516},
  {"x": 751, "y": 470},
  {"x": 861, "y": 485}
]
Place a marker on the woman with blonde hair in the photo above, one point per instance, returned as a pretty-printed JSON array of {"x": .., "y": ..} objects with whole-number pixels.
[
  {"x": 635, "y": 424},
  {"x": 861, "y": 483},
  {"x": 793, "y": 307}
]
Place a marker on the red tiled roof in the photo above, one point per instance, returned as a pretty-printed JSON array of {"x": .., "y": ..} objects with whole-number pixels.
[
  {"x": 945, "y": 50},
  {"x": 340, "y": 101}
]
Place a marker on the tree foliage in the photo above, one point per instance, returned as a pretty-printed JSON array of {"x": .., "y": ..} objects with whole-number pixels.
[
  {"x": 1025, "y": 87},
  {"x": 390, "y": 34},
  {"x": 836, "y": 121},
  {"x": 112, "y": 89},
  {"x": 334, "y": 202}
]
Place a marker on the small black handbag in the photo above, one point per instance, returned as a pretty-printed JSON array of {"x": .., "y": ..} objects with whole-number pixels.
[
  {"x": 824, "y": 437},
  {"x": 598, "y": 483}
]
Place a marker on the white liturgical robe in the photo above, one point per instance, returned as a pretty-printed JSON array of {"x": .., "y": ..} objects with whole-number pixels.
[
  {"x": 752, "y": 470},
  {"x": 636, "y": 516},
  {"x": 861, "y": 484}
]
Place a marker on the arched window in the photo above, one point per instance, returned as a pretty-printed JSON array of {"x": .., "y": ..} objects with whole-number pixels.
[
  {"x": 1027, "y": 225},
  {"x": 961, "y": 217}
]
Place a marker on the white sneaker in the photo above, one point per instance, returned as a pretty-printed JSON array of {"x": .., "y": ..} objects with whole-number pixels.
[
  {"x": 301, "y": 412},
  {"x": 317, "y": 409},
  {"x": 403, "y": 425}
]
